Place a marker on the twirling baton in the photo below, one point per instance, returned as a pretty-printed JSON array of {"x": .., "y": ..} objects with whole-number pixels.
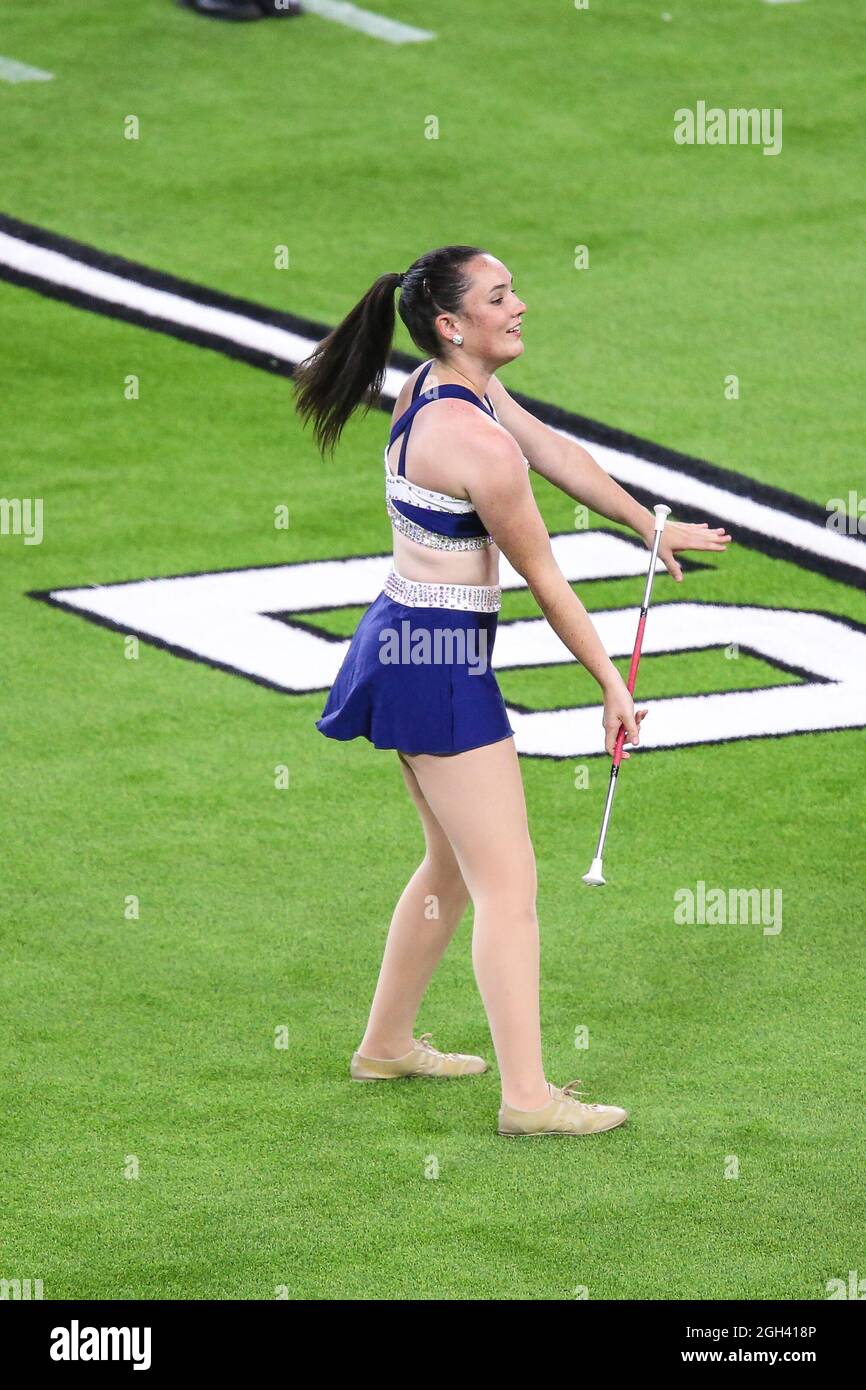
[{"x": 595, "y": 877}]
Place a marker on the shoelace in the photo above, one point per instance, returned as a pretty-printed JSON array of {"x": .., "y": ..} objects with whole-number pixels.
[
  {"x": 423, "y": 1041},
  {"x": 570, "y": 1091},
  {"x": 568, "y": 1088}
]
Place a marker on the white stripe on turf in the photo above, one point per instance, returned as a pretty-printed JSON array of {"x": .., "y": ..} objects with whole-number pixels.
[
  {"x": 13, "y": 71},
  {"x": 733, "y": 508},
  {"x": 104, "y": 285},
  {"x": 222, "y": 617},
  {"x": 376, "y": 25},
  {"x": 225, "y": 619}
]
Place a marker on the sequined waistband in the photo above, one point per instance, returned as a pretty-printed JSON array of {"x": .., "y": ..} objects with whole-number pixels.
[{"x": 416, "y": 593}]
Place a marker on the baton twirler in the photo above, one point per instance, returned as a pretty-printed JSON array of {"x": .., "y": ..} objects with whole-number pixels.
[{"x": 595, "y": 875}]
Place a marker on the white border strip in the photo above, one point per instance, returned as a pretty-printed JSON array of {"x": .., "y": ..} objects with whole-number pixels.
[
  {"x": 735, "y": 508},
  {"x": 105, "y": 285},
  {"x": 13, "y": 71},
  {"x": 376, "y": 25},
  {"x": 775, "y": 523}
]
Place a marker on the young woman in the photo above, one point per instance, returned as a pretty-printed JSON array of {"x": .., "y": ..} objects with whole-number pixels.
[{"x": 458, "y": 494}]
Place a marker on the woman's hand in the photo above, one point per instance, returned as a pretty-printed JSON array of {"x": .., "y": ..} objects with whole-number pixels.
[
  {"x": 680, "y": 535},
  {"x": 619, "y": 709}
]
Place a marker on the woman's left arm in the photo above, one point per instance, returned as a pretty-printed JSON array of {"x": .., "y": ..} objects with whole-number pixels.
[{"x": 572, "y": 469}]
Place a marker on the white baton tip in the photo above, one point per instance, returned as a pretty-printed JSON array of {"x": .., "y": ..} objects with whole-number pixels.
[
  {"x": 662, "y": 511},
  {"x": 594, "y": 876}
]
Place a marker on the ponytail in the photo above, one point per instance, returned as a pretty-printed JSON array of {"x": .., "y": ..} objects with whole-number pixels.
[{"x": 349, "y": 365}]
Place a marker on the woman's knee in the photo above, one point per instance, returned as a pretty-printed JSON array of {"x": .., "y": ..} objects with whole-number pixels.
[
  {"x": 505, "y": 880},
  {"x": 510, "y": 891},
  {"x": 443, "y": 869},
  {"x": 507, "y": 919}
]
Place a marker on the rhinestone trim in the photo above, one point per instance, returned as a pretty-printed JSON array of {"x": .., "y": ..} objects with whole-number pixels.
[
  {"x": 430, "y": 538},
  {"x": 416, "y": 593},
  {"x": 398, "y": 485}
]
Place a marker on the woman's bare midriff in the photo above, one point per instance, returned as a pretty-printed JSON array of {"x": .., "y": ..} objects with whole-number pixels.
[{"x": 415, "y": 561}]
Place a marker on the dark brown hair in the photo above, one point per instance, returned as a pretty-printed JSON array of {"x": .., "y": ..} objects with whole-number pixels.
[{"x": 349, "y": 366}]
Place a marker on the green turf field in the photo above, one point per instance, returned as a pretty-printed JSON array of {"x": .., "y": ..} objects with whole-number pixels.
[{"x": 157, "y": 1143}]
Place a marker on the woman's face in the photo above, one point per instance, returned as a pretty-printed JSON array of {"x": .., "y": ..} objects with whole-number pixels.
[{"x": 490, "y": 318}]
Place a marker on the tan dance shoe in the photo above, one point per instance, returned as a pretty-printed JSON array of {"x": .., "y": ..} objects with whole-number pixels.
[
  {"x": 422, "y": 1060},
  {"x": 563, "y": 1114}
]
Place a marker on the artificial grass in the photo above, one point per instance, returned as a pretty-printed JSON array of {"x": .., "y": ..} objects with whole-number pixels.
[{"x": 153, "y": 1037}]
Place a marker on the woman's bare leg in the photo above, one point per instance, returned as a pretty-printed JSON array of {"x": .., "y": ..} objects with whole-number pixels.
[
  {"x": 478, "y": 802},
  {"x": 425, "y": 919}
]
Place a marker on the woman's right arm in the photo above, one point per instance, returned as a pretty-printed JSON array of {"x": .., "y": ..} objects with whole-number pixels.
[{"x": 497, "y": 482}]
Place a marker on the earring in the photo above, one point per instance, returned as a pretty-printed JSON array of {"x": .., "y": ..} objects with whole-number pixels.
[{"x": 458, "y": 339}]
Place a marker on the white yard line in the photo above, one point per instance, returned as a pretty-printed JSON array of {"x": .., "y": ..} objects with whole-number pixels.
[
  {"x": 13, "y": 71},
  {"x": 105, "y": 285},
  {"x": 376, "y": 25},
  {"x": 733, "y": 508}
]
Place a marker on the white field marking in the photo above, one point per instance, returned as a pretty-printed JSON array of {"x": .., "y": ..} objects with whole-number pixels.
[
  {"x": 104, "y": 285},
  {"x": 735, "y": 509},
  {"x": 223, "y": 618},
  {"x": 234, "y": 327},
  {"x": 826, "y": 646},
  {"x": 376, "y": 25},
  {"x": 783, "y": 2},
  {"x": 13, "y": 71}
]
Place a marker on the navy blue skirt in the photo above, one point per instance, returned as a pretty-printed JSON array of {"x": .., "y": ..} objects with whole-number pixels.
[{"x": 419, "y": 680}]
